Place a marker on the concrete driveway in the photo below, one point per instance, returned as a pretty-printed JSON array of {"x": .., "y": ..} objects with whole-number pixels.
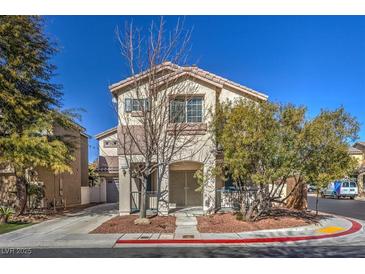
[{"x": 68, "y": 231}]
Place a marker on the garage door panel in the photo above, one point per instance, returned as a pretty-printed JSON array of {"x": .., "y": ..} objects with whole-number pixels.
[{"x": 112, "y": 191}]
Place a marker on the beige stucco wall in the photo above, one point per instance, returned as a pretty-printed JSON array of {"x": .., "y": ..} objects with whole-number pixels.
[
  {"x": 67, "y": 186},
  {"x": 108, "y": 151},
  {"x": 202, "y": 143},
  {"x": 359, "y": 158},
  {"x": 229, "y": 95}
]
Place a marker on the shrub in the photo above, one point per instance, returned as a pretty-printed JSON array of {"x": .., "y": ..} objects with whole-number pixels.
[
  {"x": 36, "y": 193},
  {"x": 5, "y": 214},
  {"x": 240, "y": 216}
]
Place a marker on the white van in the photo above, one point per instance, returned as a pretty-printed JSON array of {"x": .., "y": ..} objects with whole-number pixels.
[{"x": 340, "y": 189}]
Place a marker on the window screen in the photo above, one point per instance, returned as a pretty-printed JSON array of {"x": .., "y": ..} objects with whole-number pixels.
[
  {"x": 136, "y": 104},
  {"x": 194, "y": 110},
  {"x": 183, "y": 110},
  {"x": 177, "y": 111}
]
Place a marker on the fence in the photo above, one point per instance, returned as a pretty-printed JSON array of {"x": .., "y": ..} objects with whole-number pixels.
[
  {"x": 226, "y": 198},
  {"x": 136, "y": 199},
  {"x": 93, "y": 194}
]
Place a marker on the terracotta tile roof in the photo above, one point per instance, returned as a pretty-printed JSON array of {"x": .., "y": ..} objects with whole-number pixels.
[
  {"x": 353, "y": 150},
  {"x": 195, "y": 71}
]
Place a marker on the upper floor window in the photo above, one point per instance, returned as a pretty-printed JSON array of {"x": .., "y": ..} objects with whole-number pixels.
[
  {"x": 186, "y": 110},
  {"x": 135, "y": 105},
  {"x": 110, "y": 143}
]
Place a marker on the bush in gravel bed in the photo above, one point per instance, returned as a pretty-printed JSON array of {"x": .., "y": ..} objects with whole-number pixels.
[{"x": 5, "y": 214}]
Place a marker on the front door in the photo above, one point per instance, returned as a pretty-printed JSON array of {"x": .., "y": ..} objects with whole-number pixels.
[
  {"x": 193, "y": 197},
  {"x": 182, "y": 189},
  {"x": 177, "y": 188}
]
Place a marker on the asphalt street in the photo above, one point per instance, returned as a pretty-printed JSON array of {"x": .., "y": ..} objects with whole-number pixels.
[
  {"x": 196, "y": 252},
  {"x": 343, "y": 207}
]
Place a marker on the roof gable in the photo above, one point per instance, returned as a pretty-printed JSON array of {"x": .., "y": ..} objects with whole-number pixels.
[
  {"x": 355, "y": 151},
  {"x": 195, "y": 72},
  {"x": 106, "y": 133},
  {"x": 360, "y": 146}
]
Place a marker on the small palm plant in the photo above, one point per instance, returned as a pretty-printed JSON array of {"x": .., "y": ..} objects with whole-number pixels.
[{"x": 5, "y": 214}]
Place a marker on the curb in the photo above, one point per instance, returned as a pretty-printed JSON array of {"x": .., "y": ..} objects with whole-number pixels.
[{"x": 355, "y": 227}]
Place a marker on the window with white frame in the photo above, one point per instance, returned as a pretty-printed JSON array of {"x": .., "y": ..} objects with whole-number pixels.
[
  {"x": 186, "y": 110},
  {"x": 136, "y": 105}
]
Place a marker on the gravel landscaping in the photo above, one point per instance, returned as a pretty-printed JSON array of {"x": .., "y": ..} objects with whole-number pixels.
[
  {"x": 125, "y": 224},
  {"x": 227, "y": 223}
]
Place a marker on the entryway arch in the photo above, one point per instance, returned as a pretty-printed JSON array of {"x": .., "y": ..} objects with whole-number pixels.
[{"x": 183, "y": 185}]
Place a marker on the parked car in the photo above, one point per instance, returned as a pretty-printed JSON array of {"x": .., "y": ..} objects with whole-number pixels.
[
  {"x": 311, "y": 188},
  {"x": 340, "y": 189}
]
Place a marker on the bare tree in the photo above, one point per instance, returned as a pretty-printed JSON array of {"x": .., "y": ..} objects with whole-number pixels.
[{"x": 154, "y": 130}]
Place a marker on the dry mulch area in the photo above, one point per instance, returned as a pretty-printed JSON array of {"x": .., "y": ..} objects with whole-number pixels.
[
  {"x": 40, "y": 215},
  {"x": 227, "y": 222},
  {"x": 125, "y": 224},
  {"x": 28, "y": 218}
]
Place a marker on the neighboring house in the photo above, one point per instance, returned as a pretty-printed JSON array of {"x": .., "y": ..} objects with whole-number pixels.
[
  {"x": 178, "y": 187},
  {"x": 60, "y": 189},
  {"x": 358, "y": 152},
  {"x": 108, "y": 163}
]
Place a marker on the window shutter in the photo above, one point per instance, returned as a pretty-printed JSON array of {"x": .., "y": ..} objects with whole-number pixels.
[{"x": 128, "y": 105}]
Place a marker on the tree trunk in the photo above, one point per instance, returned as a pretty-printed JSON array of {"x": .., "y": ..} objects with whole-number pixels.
[
  {"x": 249, "y": 214},
  {"x": 317, "y": 202},
  {"x": 21, "y": 186},
  {"x": 298, "y": 198},
  {"x": 143, "y": 203}
]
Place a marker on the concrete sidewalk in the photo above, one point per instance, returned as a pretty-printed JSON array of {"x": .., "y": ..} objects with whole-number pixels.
[
  {"x": 68, "y": 231},
  {"x": 327, "y": 228},
  {"x": 72, "y": 231}
]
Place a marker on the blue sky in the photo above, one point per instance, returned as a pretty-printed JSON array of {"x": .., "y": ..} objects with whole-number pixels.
[{"x": 316, "y": 61}]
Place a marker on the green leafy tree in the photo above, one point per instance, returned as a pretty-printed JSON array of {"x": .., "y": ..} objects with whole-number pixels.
[
  {"x": 264, "y": 144},
  {"x": 94, "y": 178},
  {"x": 30, "y": 103},
  {"x": 324, "y": 143}
]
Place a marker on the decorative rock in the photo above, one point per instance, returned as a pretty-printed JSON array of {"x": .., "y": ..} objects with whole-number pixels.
[{"x": 143, "y": 221}]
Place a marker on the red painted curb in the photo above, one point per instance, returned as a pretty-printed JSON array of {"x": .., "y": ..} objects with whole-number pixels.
[{"x": 355, "y": 227}]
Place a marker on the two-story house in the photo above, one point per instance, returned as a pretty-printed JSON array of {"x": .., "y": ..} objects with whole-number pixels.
[
  {"x": 357, "y": 151},
  {"x": 108, "y": 163},
  {"x": 178, "y": 184}
]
